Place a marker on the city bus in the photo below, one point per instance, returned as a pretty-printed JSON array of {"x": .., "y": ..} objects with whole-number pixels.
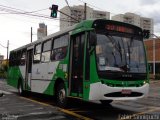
[{"x": 94, "y": 60}]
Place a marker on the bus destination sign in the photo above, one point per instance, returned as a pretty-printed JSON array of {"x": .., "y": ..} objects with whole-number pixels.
[{"x": 118, "y": 28}]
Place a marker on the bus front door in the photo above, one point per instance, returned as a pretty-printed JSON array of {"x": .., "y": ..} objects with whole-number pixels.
[
  {"x": 76, "y": 62},
  {"x": 28, "y": 69}
]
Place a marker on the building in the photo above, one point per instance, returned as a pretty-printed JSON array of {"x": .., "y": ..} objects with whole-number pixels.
[
  {"x": 41, "y": 31},
  {"x": 147, "y": 24},
  {"x": 1, "y": 59},
  {"x": 151, "y": 53},
  {"x": 77, "y": 12},
  {"x": 132, "y": 18}
]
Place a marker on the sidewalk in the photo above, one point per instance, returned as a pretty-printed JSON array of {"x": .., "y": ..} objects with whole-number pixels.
[{"x": 5, "y": 88}]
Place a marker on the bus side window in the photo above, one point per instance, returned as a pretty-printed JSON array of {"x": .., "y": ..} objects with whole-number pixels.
[
  {"x": 59, "y": 49},
  {"x": 23, "y": 57},
  {"x": 14, "y": 59},
  {"x": 46, "y": 51},
  {"x": 18, "y": 57},
  {"x": 11, "y": 59},
  {"x": 37, "y": 53}
]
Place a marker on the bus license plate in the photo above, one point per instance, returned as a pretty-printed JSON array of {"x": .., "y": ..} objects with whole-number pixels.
[{"x": 126, "y": 91}]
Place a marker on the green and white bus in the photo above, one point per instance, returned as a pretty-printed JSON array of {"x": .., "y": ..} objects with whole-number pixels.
[{"x": 94, "y": 60}]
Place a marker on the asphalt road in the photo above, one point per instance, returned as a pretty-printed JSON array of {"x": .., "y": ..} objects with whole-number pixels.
[
  {"x": 14, "y": 107},
  {"x": 40, "y": 107}
]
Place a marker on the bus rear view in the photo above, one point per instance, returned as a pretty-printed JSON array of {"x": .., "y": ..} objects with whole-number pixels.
[{"x": 120, "y": 62}]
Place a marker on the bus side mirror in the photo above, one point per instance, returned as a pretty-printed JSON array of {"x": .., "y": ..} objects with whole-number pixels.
[
  {"x": 92, "y": 38},
  {"x": 146, "y": 34}
]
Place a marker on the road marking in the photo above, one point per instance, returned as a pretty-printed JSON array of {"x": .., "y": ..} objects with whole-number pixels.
[
  {"x": 35, "y": 101},
  {"x": 63, "y": 110},
  {"x": 75, "y": 114}
]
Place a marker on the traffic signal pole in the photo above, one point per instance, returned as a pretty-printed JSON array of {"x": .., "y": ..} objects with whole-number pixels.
[{"x": 54, "y": 10}]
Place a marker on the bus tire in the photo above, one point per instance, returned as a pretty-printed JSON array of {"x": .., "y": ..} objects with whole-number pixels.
[
  {"x": 20, "y": 89},
  {"x": 106, "y": 102},
  {"x": 61, "y": 98}
]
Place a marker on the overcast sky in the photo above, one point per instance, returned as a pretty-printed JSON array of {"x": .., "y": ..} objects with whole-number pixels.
[{"x": 16, "y": 27}]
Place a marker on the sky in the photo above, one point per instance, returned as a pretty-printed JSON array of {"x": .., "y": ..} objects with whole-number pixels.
[{"x": 17, "y": 27}]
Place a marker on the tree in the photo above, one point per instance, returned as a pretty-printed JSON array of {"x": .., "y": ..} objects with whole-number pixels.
[{"x": 3, "y": 69}]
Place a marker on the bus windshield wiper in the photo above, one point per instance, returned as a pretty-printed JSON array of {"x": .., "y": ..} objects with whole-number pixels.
[
  {"x": 127, "y": 55},
  {"x": 116, "y": 46}
]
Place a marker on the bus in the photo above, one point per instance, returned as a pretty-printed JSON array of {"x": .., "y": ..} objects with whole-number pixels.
[{"x": 94, "y": 60}]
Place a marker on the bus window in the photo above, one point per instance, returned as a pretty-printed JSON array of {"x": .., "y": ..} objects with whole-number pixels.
[
  {"x": 23, "y": 57},
  {"x": 59, "y": 50},
  {"x": 18, "y": 57},
  {"x": 11, "y": 58},
  {"x": 46, "y": 50},
  {"x": 37, "y": 53}
]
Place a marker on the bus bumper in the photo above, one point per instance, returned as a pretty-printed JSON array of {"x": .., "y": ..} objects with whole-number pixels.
[{"x": 99, "y": 91}]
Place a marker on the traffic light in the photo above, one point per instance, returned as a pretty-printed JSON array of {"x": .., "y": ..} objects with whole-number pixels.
[
  {"x": 54, "y": 10},
  {"x": 146, "y": 34}
]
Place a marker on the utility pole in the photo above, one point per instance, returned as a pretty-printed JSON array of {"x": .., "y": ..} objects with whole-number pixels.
[
  {"x": 85, "y": 11},
  {"x": 7, "y": 49},
  {"x": 31, "y": 34}
]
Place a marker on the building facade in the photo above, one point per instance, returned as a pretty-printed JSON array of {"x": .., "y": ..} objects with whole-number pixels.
[
  {"x": 153, "y": 56},
  {"x": 41, "y": 31},
  {"x": 77, "y": 12},
  {"x": 132, "y": 18},
  {"x": 1, "y": 59}
]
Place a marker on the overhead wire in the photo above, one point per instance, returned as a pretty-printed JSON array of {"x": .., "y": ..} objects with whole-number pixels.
[
  {"x": 11, "y": 10},
  {"x": 2, "y": 45}
]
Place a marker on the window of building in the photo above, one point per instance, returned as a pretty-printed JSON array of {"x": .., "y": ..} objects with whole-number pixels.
[{"x": 59, "y": 49}]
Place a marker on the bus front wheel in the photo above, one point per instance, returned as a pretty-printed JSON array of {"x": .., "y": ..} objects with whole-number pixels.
[{"x": 61, "y": 95}]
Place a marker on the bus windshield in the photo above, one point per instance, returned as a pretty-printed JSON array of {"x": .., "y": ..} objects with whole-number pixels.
[{"x": 120, "y": 54}]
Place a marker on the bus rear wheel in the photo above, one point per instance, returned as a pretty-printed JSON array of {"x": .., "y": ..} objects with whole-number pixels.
[{"x": 61, "y": 95}]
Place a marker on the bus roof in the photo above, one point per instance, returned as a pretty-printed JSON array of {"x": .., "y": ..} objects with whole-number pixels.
[{"x": 84, "y": 24}]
